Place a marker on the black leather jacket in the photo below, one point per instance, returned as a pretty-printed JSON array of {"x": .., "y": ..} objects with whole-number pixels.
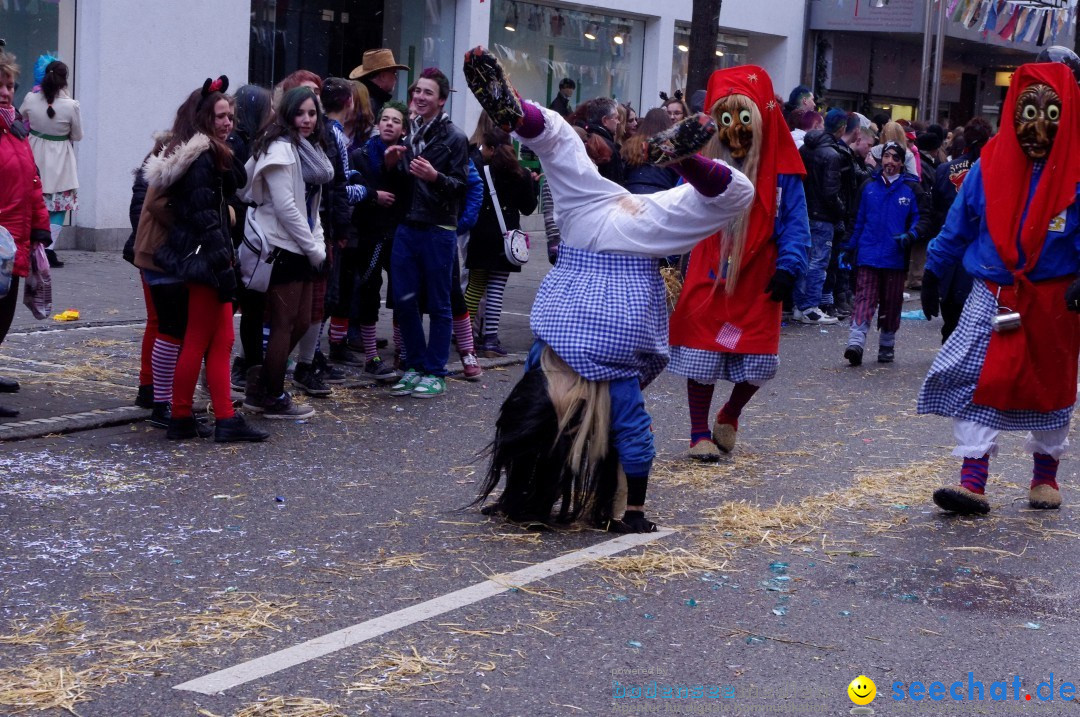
[
  {"x": 447, "y": 149},
  {"x": 824, "y": 177}
]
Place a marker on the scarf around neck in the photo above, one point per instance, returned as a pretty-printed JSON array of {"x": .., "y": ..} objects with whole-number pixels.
[
  {"x": 8, "y": 113},
  {"x": 315, "y": 166},
  {"x": 418, "y": 137}
]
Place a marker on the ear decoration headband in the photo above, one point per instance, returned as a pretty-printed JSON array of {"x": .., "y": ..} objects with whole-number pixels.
[
  {"x": 221, "y": 84},
  {"x": 677, "y": 95}
]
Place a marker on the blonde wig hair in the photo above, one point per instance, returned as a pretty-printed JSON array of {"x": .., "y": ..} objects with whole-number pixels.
[
  {"x": 583, "y": 409},
  {"x": 733, "y": 237},
  {"x": 893, "y": 132}
]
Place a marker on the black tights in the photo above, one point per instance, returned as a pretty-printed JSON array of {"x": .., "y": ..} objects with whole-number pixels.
[
  {"x": 290, "y": 316},
  {"x": 171, "y": 305},
  {"x": 252, "y": 316},
  {"x": 7, "y": 308}
]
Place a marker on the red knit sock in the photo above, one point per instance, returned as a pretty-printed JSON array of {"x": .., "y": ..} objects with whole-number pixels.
[
  {"x": 973, "y": 474},
  {"x": 740, "y": 396},
  {"x": 699, "y": 396},
  {"x": 1045, "y": 472}
]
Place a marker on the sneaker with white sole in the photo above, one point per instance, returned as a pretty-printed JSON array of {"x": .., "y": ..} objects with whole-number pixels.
[
  {"x": 406, "y": 383},
  {"x": 815, "y": 316},
  {"x": 430, "y": 387},
  {"x": 379, "y": 370},
  {"x": 283, "y": 408},
  {"x": 471, "y": 367}
]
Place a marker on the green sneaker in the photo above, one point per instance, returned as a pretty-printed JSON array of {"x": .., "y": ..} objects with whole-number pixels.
[
  {"x": 429, "y": 387},
  {"x": 406, "y": 383}
]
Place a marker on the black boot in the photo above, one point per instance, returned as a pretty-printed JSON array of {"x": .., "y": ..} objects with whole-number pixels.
[
  {"x": 54, "y": 260},
  {"x": 236, "y": 429},
  {"x": 238, "y": 374},
  {"x": 161, "y": 415},
  {"x": 8, "y": 412},
  {"x": 253, "y": 390},
  {"x": 145, "y": 397},
  {"x": 181, "y": 429},
  {"x": 8, "y": 385}
]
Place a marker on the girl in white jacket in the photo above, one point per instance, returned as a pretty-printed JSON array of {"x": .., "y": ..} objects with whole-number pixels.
[
  {"x": 285, "y": 176},
  {"x": 55, "y": 125}
]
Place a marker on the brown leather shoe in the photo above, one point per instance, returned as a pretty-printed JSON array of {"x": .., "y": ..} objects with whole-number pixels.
[
  {"x": 1044, "y": 497},
  {"x": 958, "y": 499}
]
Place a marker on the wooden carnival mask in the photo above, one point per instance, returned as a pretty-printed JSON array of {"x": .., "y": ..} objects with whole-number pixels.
[
  {"x": 1036, "y": 116},
  {"x": 735, "y": 124}
]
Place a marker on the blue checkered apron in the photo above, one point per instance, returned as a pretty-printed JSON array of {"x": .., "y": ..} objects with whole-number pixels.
[
  {"x": 950, "y": 386},
  {"x": 712, "y": 366},
  {"x": 605, "y": 315}
]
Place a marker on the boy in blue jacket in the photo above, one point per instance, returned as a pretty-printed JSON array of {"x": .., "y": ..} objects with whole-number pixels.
[{"x": 884, "y": 229}]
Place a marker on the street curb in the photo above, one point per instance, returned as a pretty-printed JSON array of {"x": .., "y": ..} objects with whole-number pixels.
[
  {"x": 69, "y": 423},
  {"x": 120, "y": 415}
]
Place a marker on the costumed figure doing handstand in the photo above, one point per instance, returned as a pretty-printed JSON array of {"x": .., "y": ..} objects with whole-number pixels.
[
  {"x": 575, "y": 426},
  {"x": 726, "y": 325},
  {"x": 1011, "y": 363}
]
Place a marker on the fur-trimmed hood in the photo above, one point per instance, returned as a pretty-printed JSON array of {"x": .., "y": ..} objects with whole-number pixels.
[{"x": 162, "y": 171}]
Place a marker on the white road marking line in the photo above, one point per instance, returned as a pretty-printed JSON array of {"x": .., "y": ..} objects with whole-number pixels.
[{"x": 228, "y": 678}]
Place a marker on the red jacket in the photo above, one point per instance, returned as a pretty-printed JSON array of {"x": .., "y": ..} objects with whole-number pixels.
[{"x": 22, "y": 208}]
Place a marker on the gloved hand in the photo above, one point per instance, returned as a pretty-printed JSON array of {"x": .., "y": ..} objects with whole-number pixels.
[
  {"x": 931, "y": 299},
  {"x": 843, "y": 261},
  {"x": 904, "y": 240},
  {"x": 633, "y": 521},
  {"x": 780, "y": 284},
  {"x": 1072, "y": 296}
]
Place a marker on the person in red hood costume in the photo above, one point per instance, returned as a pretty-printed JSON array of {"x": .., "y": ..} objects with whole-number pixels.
[
  {"x": 726, "y": 324},
  {"x": 1011, "y": 364}
]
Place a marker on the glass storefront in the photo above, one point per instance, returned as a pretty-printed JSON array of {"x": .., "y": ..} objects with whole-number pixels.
[
  {"x": 30, "y": 28},
  {"x": 541, "y": 44},
  {"x": 329, "y": 37},
  {"x": 730, "y": 52},
  {"x": 421, "y": 34}
]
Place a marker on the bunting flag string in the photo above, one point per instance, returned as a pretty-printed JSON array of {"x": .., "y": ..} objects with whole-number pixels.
[{"x": 1015, "y": 20}]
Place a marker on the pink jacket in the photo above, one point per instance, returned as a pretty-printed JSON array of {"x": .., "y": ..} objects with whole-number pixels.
[{"x": 22, "y": 208}]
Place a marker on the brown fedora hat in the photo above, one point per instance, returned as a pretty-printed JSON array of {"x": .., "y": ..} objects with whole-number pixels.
[{"x": 376, "y": 61}]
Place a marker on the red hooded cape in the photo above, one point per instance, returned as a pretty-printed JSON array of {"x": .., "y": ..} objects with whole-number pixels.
[
  {"x": 747, "y": 321},
  {"x": 1007, "y": 170},
  {"x": 1034, "y": 367}
]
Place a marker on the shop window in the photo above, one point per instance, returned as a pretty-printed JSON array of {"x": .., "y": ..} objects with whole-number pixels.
[
  {"x": 730, "y": 52},
  {"x": 421, "y": 34},
  {"x": 327, "y": 37},
  {"x": 30, "y": 28},
  {"x": 542, "y": 44}
]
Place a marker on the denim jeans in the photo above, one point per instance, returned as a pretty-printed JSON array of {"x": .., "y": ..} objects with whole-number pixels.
[
  {"x": 423, "y": 256},
  {"x": 808, "y": 289}
]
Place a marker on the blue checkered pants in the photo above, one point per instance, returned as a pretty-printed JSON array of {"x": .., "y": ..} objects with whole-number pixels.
[{"x": 712, "y": 366}]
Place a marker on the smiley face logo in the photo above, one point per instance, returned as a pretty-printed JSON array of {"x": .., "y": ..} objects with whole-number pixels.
[{"x": 862, "y": 690}]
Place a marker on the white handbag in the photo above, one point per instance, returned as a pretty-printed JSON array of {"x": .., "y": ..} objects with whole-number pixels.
[
  {"x": 515, "y": 241},
  {"x": 256, "y": 256}
]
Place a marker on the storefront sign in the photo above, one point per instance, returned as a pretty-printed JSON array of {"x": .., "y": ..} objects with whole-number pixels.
[{"x": 868, "y": 15}]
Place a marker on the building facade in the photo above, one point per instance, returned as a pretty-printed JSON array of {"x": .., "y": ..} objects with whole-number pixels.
[
  {"x": 133, "y": 61},
  {"x": 866, "y": 55}
]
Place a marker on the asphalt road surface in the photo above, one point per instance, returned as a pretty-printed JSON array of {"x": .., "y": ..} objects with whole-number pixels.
[{"x": 133, "y": 565}]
